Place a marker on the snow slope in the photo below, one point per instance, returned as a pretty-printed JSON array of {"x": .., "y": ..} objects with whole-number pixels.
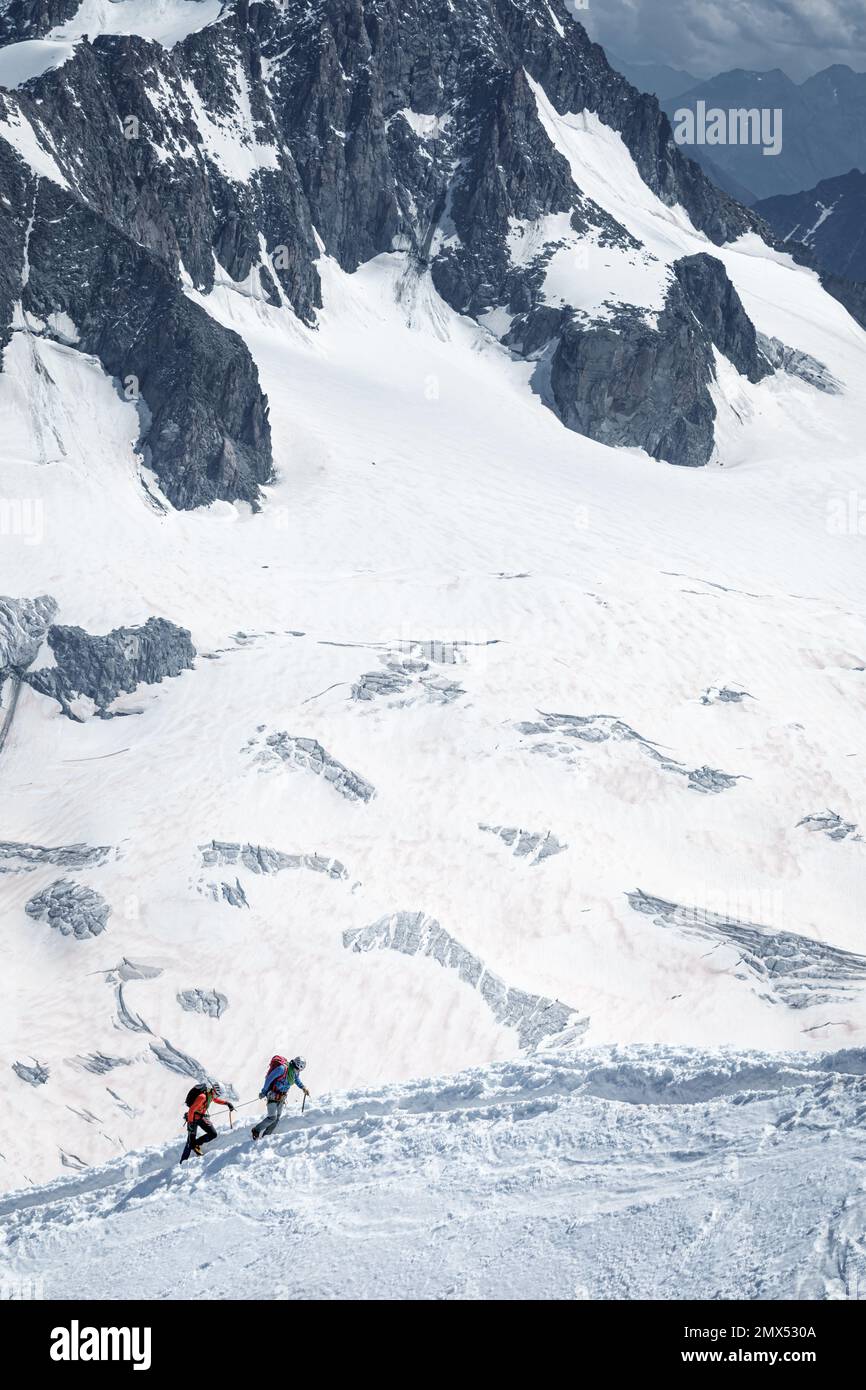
[
  {"x": 433, "y": 523},
  {"x": 622, "y": 1173},
  {"x": 165, "y": 21}
]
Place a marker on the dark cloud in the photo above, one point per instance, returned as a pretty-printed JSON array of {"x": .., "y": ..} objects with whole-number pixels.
[{"x": 799, "y": 36}]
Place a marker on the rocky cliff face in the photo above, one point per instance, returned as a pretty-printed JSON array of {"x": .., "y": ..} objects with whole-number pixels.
[
  {"x": 206, "y": 434},
  {"x": 30, "y": 19},
  {"x": 100, "y": 667},
  {"x": 24, "y": 625},
  {"x": 359, "y": 126},
  {"x": 628, "y": 382}
]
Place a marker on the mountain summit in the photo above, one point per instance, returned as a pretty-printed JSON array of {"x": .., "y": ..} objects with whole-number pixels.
[{"x": 357, "y": 127}]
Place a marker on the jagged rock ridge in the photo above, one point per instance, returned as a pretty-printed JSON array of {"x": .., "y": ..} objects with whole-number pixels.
[{"x": 371, "y": 125}]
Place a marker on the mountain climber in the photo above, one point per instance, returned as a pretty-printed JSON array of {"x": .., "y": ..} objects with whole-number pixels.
[
  {"x": 281, "y": 1075},
  {"x": 198, "y": 1103}
]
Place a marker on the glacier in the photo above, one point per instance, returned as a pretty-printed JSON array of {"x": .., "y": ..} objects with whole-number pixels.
[{"x": 433, "y": 673}]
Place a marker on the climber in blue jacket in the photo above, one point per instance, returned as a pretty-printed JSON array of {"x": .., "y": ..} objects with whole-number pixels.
[{"x": 281, "y": 1075}]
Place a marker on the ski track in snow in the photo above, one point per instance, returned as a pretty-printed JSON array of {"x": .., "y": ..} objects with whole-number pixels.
[{"x": 621, "y": 1173}]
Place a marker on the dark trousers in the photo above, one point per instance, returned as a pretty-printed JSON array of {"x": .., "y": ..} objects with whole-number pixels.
[{"x": 201, "y": 1122}]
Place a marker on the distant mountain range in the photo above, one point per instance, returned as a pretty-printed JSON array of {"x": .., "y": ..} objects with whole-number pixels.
[
  {"x": 830, "y": 219},
  {"x": 823, "y": 127},
  {"x": 659, "y": 79}
]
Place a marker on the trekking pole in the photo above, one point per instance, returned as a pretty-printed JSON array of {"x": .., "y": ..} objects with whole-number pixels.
[{"x": 303, "y": 1102}]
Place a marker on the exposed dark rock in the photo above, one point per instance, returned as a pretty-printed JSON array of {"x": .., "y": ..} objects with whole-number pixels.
[
  {"x": 101, "y": 667},
  {"x": 370, "y": 125},
  {"x": 203, "y": 1001},
  {"x": 795, "y": 970},
  {"x": 72, "y": 1161},
  {"x": 35, "y": 1075},
  {"x": 798, "y": 364},
  {"x": 440, "y": 691},
  {"x": 24, "y": 624},
  {"x": 618, "y": 385},
  {"x": 127, "y": 1017},
  {"x": 381, "y": 124},
  {"x": 531, "y": 333},
  {"x": 70, "y": 908},
  {"x": 724, "y": 695},
  {"x": 526, "y": 844},
  {"x": 99, "y": 1063},
  {"x": 376, "y": 683},
  {"x": 122, "y": 1104},
  {"x": 710, "y": 779},
  {"x": 14, "y": 220},
  {"x": 30, "y": 19},
  {"x": 308, "y": 753},
  {"x": 850, "y": 293},
  {"x": 206, "y": 433},
  {"x": 831, "y": 824},
  {"x": 177, "y": 1061},
  {"x": 599, "y": 728},
  {"x": 630, "y": 383},
  {"x": 536, "y": 1020},
  {"x": 407, "y": 679},
  {"x": 716, "y": 305},
  {"x": 259, "y": 859},
  {"x": 132, "y": 970},
  {"x": 183, "y": 1065},
  {"x": 18, "y": 858},
  {"x": 231, "y": 893}
]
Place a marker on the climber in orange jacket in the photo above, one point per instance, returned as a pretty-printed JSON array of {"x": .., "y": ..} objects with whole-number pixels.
[{"x": 199, "y": 1101}]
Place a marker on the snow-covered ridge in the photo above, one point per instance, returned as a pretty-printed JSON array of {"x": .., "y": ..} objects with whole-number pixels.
[
  {"x": 563, "y": 1176},
  {"x": 167, "y": 22}
]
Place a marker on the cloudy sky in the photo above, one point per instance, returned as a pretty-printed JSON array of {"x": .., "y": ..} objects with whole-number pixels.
[{"x": 709, "y": 36}]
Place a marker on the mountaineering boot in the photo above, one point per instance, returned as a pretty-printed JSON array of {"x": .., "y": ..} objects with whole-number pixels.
[
  {"x": 254, "y": 1133},
  {"x": 196, "y": 1150}
]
